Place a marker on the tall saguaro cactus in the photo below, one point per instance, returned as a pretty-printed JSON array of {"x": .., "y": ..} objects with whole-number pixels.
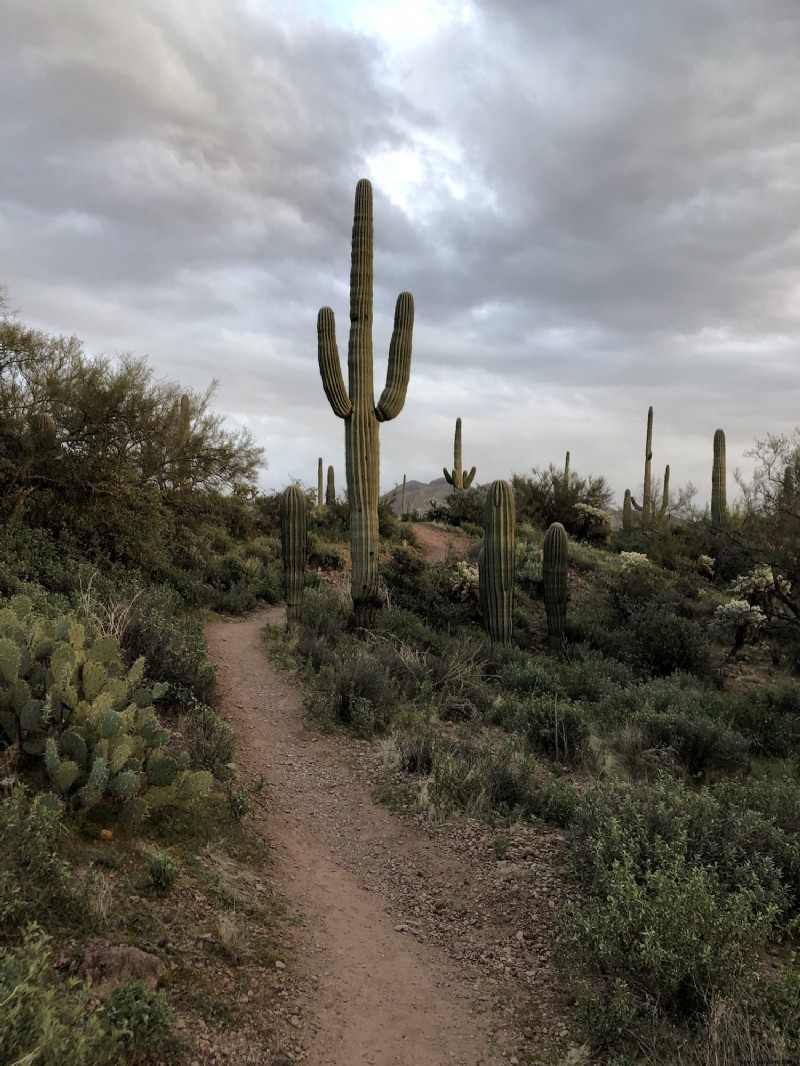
[
  {"x": 320, "y": 500},
  {"x": 294, "y": 527},
  {"x": 627, "y": 513},
  {"x": 719, "y": 504},
  {"x": 457, "y": 478},
  {"x": 554, "y": 572},
  {"x": 356, "y": 404},
  {"x": 496, "y": 562},
  {"x": 647, "y": 490}
]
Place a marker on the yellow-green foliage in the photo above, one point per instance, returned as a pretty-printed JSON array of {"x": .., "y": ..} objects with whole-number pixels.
[{"x": 72, "y": 703}]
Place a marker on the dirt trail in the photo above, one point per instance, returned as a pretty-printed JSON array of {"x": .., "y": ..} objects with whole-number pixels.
[
  {"x": 377, "y": 996},
  {"x": 434, "y": 542}
]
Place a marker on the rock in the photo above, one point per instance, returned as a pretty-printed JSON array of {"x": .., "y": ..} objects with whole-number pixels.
[{"x": 105, "y": 965}]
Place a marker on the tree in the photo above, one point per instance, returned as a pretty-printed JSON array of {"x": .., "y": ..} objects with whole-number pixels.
[
  {"x": 552, "y": 495},
  {"x": 102, "y": 446}
]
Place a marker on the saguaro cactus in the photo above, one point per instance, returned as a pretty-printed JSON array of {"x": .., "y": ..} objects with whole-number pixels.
[
  {"x": 663, "y": 511},
  {"x": 627, "y": 513},
  {"x": 496, "y": 562},
  {"x": 647, "y": 491},
  {"x": 330, "y": 491},
  {"x": 356, "y": 405},
  {"x": 294, "y": 521},
  {"x": 554, "y": 572},
  {"x": 320, "y": 499},
  {"x": 719, "y": 507},
  {"x": 403, "y": 498},
  {"x": 457, "y": 478}
]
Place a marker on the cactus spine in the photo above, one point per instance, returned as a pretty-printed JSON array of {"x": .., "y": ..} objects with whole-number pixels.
[
  {"x": 457, "y": 478},
  {"x": 320, "y": 499},
  {"x": 554, "y": 572},
  {"x": 627, "y": 513},
  {"x": 719, "y": 509},
  {"x": 356, "y": 405},
  {"x": 496, "y": 562},
  {"x": 330, "y": 490},
  {"x": 647, "y": 491},
  {"x": 293, "y": 544}
]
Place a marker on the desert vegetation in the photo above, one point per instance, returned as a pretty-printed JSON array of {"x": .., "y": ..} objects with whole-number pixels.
[{"x": 630, "y": 680}]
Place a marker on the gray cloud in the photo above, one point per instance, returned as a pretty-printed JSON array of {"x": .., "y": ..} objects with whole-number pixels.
[{"x": 601, "y": 216}]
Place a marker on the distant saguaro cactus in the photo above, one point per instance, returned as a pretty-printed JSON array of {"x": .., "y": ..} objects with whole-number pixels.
[
  {"x": 496, "y": 562},
  {"x": 320, "y": 498},
  {"x": 627, "y": 513},
  {"x": 647, "y": 491},
  {"x": 457, "y": 478},
  {"x": 403, "y": 498},
  {"x": 294, "y": 525},
  {"x": 554, "y": 571},
  {"x": 357, "y": 406},
  {"x": 330, "y": 491},
  {"x": 719, "y": 505}
]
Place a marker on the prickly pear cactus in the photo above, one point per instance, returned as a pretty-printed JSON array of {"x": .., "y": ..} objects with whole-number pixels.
[
  {"x": 496, "y": 562},
  {"x": 72, "y": 704},
  {"x": 554, "y": 572},
  {"x": 356, "y": 404},
  {"x": 294, "y": 534}
]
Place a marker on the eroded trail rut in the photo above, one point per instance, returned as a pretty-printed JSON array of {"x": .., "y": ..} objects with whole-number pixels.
[{"x": 414, "y": 945}]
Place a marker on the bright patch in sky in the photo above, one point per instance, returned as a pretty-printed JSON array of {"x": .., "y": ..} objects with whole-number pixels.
[
  {"x": 401, "y": 23},
  {"x": 416, "y": 176}
]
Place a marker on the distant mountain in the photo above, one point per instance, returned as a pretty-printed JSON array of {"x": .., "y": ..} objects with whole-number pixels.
[{"x": 418, "y": 494}]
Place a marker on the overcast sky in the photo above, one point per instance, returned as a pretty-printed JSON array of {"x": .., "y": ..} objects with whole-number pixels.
[{"x": 595, "y": 206}]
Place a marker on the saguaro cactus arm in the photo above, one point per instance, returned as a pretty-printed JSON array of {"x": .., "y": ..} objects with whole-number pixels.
[
  {"x": 330, "y": 367},
  {"x": 398, "y": 370}
]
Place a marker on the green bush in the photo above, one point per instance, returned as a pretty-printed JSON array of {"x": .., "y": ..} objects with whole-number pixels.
[
  {"x": 162, "y": 873},
  {"x": 483, "y": 781},
  {"x": 698, "y": 743},
  {"x": 557, "y": 727},
  {"x": 354, "y": 690},
  {"x": 662, "y": 642},
  {"x": 33, "y": 878}
]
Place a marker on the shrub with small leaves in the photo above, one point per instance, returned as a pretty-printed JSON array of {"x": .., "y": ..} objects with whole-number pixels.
[{"x": 162, "y": 873}]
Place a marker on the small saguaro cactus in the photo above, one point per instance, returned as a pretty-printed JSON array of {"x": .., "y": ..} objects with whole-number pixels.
[
  {"x": 554, "y": 573},
  {"x": 356, "y": 404},
  {"x": 663, "y": 511},
  {"x": 496, "y": 562},
  {"x": 403, "y": 498},
  {"x": 320, "y": 499},
  {"x": 457, "y": 478},
  {"x": 330, "y": 490},
  {"x": 647, "y": 491},
  {"x": 719, "y": 507},
  {"x": 294, "y": 524},
  {"x": 627, "y": 513}
]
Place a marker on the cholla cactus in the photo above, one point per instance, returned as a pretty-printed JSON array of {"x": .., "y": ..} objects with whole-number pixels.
[
  {"x": 705, "y": 565},
  {"x": 633, "y": 561},
  {"x": 738, "y": 623},
  {"x": 594, "y": 524},
  {"x": 759, "y": 588},
  {"x": 464, "y": 584}
]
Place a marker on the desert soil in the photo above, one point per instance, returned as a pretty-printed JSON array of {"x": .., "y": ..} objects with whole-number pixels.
[{"x": 410, "y": 943}]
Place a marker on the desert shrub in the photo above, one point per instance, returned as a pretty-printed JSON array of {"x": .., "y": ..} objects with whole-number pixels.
[
  {"x": 323, "y": 555},
  {"x": 557, "y": 727},
  {"x": 588, "y": 675},
  {"x": 698, "y": 743},
  {"x": 46, "y": 1018},
  {"x": 162, "y": 873},
  {"x": 480, "y": 780},
  {"x": 715, "y": 829},
  {"x": 525, "y": 676},
  {"x": 209, "y": 739},
  {"x": 33, "y": 878},
  {"x": 354, "y": 690},
  {"x": 170, "y": 640},
  {"x": 770, "y": 718},
  {"x": 134, "y": 1019},
  {"x": 415, "y": 743},
  {"x": 324, "y": 614},
  {"x": 662, "y": 642},
  {"x": 459, "y": 508},
  {"x": 408, "y": 628},
  {"x": 662, "y": 941}
]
